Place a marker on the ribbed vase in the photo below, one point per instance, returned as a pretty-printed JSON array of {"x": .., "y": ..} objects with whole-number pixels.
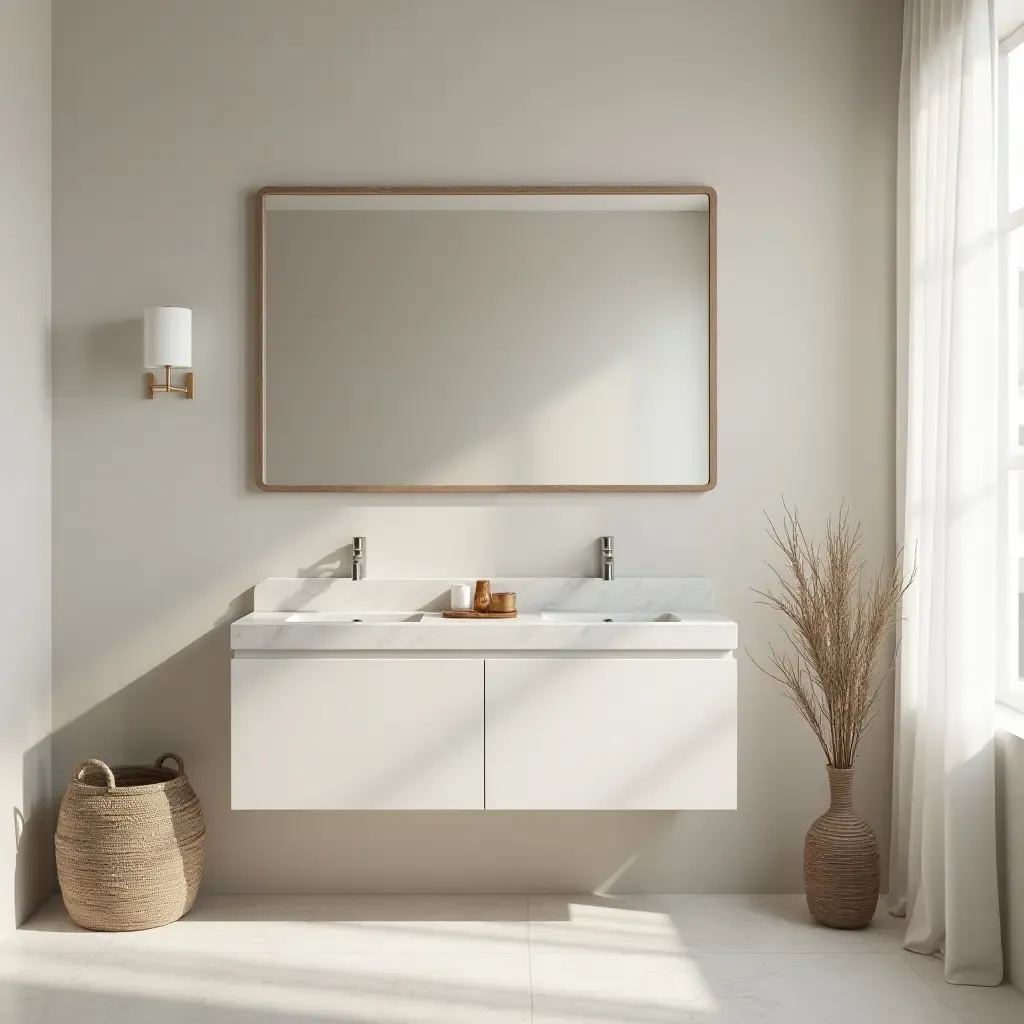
[{"x": 841, "y": 866}]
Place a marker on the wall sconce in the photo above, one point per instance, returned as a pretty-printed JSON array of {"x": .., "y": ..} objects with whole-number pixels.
[{"x": 168, "y": 343}]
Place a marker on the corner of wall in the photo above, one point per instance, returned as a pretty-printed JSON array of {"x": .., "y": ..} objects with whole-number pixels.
[{"x": 26, "y": 866}]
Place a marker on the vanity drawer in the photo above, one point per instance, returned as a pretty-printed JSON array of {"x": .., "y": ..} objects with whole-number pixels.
[
  {"x": 357, "y": 734},
  {"x": 611, "y": 733}
]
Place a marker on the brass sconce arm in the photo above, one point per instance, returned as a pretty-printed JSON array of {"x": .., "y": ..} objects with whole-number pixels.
[{"x": 188, "y": 390}]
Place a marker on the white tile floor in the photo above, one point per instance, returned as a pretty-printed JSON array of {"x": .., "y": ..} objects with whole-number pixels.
[{"x": 553, "y": 960}]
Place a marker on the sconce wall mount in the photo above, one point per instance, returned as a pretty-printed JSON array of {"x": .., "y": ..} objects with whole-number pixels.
[{"x": 188, "y": 390}]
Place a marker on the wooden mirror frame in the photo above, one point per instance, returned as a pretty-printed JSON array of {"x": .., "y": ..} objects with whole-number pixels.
[{"x": 471, "y": 190}]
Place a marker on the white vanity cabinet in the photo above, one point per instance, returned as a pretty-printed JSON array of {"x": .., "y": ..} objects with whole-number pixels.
[
  {"x": 600, "y": 695},
  {"x": 610, "y": 733},
  {"x": 357, "y": 733}
]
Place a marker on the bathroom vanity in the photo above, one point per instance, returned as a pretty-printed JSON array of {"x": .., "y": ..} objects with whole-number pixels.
[{"x": 600, "y": 695}]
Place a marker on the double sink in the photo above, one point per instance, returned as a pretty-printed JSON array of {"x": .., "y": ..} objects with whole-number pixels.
[
  {"x": 555, "y": 614},
  {"x": 555, "y": 617}
]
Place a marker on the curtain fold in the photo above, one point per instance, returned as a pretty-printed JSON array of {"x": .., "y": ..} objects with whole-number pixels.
[{"x": 943, "y": 856}]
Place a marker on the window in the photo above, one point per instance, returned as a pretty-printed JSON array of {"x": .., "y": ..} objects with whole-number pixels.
[{"x": 1011, "y": 229}]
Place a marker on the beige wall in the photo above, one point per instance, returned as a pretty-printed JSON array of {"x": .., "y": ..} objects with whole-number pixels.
[
  {"x": 25, "y": 858},
  {"x": 168, "y": 115},
  {"x": 1010, "y": 768}
]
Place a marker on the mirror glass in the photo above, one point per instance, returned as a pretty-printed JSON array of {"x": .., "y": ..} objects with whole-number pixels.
[{"x": 487, "y": 340}]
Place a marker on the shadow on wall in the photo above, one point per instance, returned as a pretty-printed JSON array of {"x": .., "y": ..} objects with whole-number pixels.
[
  {"x": 1010, "y": 849},
  {"x": 114, "y": 352},
  {"x": 183, "y": 704},
  {"x": 33, "y": 823}
]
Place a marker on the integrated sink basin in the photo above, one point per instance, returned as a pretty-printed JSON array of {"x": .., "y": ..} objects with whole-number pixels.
[
  {"x": 550, "y": 618},
  {"x": 354, "y": 618},
  {"x": 589, "y": 618},
  {"x": 372, "y": 617}
]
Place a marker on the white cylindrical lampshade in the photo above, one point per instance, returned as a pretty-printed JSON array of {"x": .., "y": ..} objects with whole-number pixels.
[{"x": 168, "y": 334}]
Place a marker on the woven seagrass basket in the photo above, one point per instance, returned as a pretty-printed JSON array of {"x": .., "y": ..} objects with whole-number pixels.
[{"x": 130, "y": 843}]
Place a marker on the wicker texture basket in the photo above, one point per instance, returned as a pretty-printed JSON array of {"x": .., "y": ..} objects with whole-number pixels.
[
  {"x": 130, "y": 843},
  {"x": 841, "y": 862}
]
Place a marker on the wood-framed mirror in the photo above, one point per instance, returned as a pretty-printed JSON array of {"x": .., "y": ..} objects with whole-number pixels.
[{"x": 474, "y": 339}]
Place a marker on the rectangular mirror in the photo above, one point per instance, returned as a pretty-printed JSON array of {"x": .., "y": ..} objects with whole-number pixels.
[{"x": 486, "y": 339}]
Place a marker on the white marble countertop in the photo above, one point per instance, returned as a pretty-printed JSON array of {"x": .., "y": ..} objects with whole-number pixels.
[{"x": 310, "y": 615}]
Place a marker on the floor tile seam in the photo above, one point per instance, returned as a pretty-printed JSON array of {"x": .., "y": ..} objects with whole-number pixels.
[{"x": 71, "y": 982}]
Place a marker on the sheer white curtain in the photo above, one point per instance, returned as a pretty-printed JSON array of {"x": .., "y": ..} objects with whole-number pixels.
[{"x": 943, "y": 864}]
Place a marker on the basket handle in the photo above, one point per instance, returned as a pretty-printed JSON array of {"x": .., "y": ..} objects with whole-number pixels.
[
  {"x": 159, "y": 762},
  {"x": 95, "y": 762}
]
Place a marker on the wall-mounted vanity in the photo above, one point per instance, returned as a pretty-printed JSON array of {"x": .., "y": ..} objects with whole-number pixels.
[
  {"x": 475, "y": 339},
  {"x": 601, "y": 695}
]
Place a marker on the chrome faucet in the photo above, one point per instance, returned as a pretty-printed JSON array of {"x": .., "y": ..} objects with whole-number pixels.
[
  {"x": 607, "y": 558},
  {"x": 358, "y": 558}
]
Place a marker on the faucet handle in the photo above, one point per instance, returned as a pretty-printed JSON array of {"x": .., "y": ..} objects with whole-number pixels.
[
  {"x": 607, "y": 544},
  {"x": 358, "y": 545}
]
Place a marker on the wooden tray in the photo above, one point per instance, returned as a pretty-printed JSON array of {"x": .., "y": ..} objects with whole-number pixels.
[{"x": 478, "y": 615}]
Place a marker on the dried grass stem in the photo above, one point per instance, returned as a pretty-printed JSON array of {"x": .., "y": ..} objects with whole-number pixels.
[{"x": 836, "y": 627}]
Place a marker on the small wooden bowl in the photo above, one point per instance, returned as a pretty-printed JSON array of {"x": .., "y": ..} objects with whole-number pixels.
[{"x": 503, "y": 602}]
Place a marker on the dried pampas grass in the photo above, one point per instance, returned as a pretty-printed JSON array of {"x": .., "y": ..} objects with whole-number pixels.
[{"x": 837, "y": 627}]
